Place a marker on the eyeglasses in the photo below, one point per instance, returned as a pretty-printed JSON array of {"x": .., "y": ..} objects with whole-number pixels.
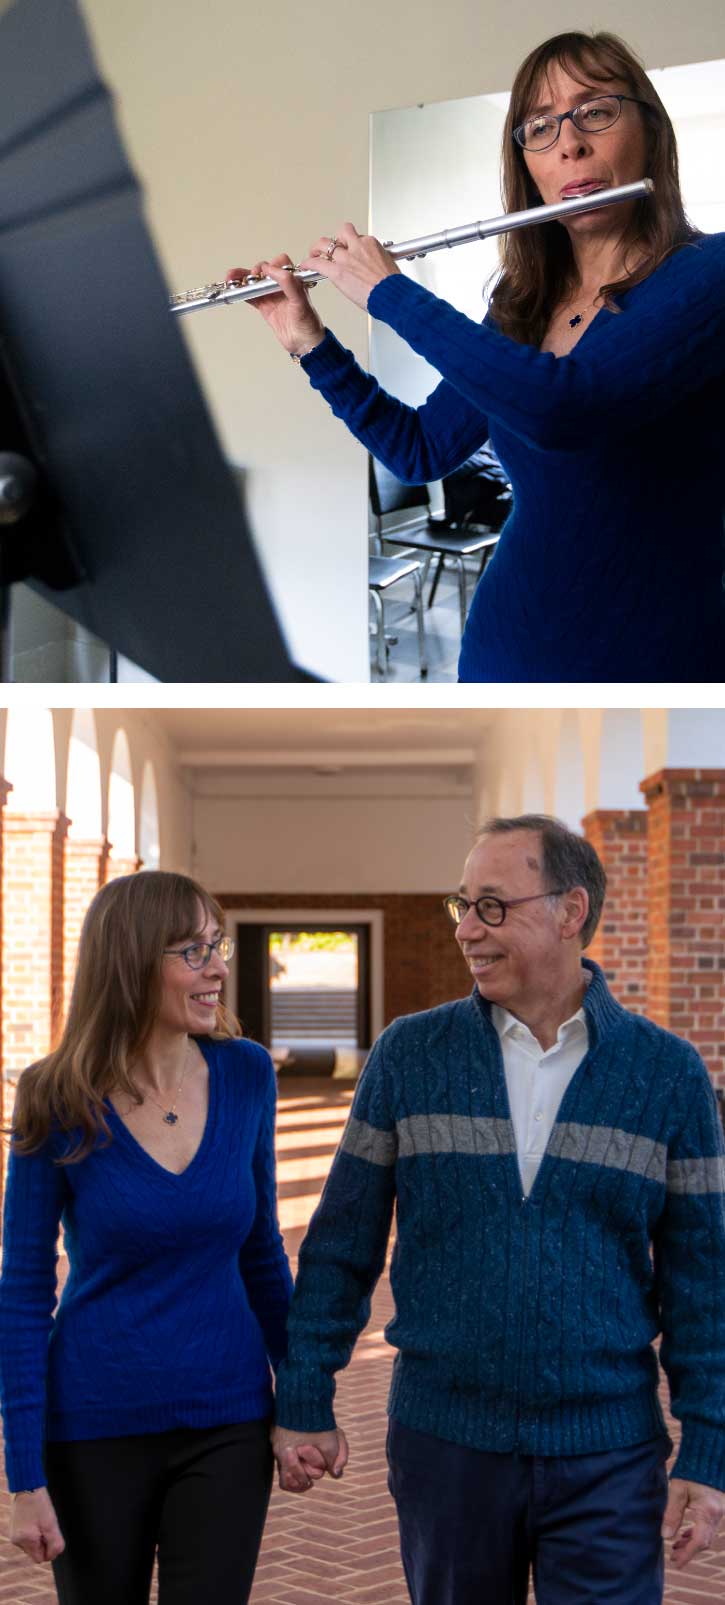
[
  {"x": 490, "y": 910},
  {"x": 197, "y": 956},
  {"x": 592, "y": 117}
]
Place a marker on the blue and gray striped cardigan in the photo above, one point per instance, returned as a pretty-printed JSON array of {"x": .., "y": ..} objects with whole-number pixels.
[{"x": 525, "y": 1324}]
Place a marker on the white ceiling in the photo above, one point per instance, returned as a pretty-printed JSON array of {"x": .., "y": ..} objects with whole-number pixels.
[{"x": 213, "y": 736}]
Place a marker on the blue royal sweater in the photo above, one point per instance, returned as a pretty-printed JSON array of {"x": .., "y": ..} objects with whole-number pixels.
[
  {"x": 611, "y": 564},
  {"x": 178, "y": 1289},
  {"x": 525, "y": 1323}
]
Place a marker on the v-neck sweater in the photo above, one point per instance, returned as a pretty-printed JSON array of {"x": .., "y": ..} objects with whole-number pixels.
[
  {"x": 614, "y": 452},
  {"x": 525, "y": 1324},
  {"x": 178, "y": 1288}
]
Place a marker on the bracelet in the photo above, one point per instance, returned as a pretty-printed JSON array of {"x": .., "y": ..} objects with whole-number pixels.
[{"x": 20, "y": 1491}]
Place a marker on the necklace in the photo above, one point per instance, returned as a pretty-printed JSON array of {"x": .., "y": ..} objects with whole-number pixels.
[
  {"x": 170, "y": 1116},
  {"x": 579, "y": 316}
]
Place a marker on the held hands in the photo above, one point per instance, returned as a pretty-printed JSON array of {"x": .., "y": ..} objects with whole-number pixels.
[
  {"x": 353, "y": 262},
  {"x": 702, "y": 1507},
  {"x": 303, "y": 1458},
  {"x": 34, "y": 1526}
]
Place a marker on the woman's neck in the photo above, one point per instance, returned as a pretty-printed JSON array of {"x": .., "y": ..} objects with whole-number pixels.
[
  {"x": 598, "y": 260},
  {"x": 162, "y": 1061}
]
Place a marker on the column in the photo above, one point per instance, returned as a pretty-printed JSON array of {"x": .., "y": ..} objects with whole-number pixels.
[
  {"x": 619, "y": 837},
  {"x": 686, "y": 971},
  {"x": 32, "y": 937},
  {"x": 85, "y": 872}
]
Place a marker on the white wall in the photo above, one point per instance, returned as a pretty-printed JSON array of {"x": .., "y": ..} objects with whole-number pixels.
[
  {"x": 249, "y": 125},
  {"x": 378, "y": 832},
  {"x": 433, "y": 167}
]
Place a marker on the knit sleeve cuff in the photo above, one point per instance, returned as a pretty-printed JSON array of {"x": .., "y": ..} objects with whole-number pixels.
[
  {"x": 701, "y": 1457},
  {"x": 395, "y": 298},
  {"x": 324, "y": 361},
  {"x": 24, "y": 1469},
  {"x": 301, "y": 1404}
]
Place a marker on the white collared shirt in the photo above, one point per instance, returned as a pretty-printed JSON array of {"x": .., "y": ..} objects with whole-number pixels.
[{"x": 536, "y": 1081}]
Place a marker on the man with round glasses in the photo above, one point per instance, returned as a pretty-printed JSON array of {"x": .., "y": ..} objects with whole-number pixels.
[{"x": 555, "y": 1166}]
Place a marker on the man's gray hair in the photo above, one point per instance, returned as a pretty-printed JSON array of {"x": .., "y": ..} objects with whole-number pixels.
[{"x": 567, "y": 860}]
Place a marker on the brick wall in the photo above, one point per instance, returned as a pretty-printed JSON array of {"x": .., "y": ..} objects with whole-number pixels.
[
  {"x": 115, "y": 867},
  {"x": 85, "y": 873},
  {"x": 619, "y": 837},
  {"x": 422, "y": 965},
  {"x": 686, "y": 874},
  {"x": 32, "y": 938}
]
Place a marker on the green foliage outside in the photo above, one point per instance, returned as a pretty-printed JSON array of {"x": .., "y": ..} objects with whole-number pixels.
[{"x": 310, "y": 942}]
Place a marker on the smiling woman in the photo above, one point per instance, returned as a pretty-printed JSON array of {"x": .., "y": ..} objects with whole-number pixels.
[
  {"x": 149, "y": 1132},
  {"x": 605, "y": 338}
]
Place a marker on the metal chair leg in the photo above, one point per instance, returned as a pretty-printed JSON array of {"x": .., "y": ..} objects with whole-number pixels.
[
  {"x": 380, "y": 637},
  {"x": 421, "y": 627},
  {"x": 461, "y": 591}
]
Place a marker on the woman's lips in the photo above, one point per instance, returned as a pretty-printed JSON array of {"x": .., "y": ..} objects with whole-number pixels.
[{"x": 587, "y": 186}]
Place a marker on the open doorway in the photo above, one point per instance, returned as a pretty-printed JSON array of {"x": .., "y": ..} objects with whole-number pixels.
[{"x": 303, "y": 989}]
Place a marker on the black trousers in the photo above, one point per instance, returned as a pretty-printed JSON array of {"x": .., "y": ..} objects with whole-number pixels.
[{"x": 198, "y": 1496}]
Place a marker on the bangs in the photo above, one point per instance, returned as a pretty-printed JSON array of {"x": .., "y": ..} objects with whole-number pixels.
[
  {"x": 184, "y": 899},
  {"x": 594, "y": 61}
]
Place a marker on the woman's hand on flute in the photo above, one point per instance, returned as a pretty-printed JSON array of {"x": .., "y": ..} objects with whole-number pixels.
[
  {"x": 290, "y": 315},
  {"x": 353, "y": 262}
]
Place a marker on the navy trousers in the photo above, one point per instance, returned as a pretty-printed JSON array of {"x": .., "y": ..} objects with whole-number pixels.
[{"x": 474, "y": 1525}]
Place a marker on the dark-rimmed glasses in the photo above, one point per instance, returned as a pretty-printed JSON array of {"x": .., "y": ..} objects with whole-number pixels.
[
  {"x": 591, "y": 117},
  {"x": 490, "y": 910},
  {"x": 198, "y": 954}
]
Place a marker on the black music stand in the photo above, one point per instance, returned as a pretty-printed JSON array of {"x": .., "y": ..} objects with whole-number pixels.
[{"x": 135, "y": 524}]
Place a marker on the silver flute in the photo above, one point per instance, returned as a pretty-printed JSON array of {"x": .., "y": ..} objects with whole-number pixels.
[{"x": 212, "y": 295}]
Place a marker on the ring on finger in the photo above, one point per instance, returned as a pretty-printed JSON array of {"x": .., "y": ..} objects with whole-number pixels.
[{"x": 331, "y": 249}]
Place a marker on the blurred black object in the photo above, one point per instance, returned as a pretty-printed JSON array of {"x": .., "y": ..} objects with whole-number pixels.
[
  {"x": 478, "y": 492},
  {"x": 134, "y": 523}
]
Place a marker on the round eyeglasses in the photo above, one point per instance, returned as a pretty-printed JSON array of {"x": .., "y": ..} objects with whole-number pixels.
[
  {"x": 490, "y": 910},
  {"x": 197, "y": 956},
  {"x": 591, "y": 117}
]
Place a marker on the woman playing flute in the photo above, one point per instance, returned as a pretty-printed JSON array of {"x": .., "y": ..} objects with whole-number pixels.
[{"x": 598, "y": 373}]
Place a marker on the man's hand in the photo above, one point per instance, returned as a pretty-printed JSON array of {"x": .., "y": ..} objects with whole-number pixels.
[
  {"x": 703, "y": 1507},
  {"x": 302, "y": 1458},
  {"x": 34, "y": 1526}
]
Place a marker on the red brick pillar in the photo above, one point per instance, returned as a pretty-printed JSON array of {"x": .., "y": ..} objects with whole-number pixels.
[
  {"x": 5, "y": 788},
  {"x": 686, "y": 974},
  {"x": 115, "y": 867},
  {"x": 85, "y": 872},
  {"x": 32, "y": 945},
  {"x": 619, "y": 836}
]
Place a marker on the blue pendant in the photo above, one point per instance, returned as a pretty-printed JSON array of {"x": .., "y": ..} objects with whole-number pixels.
[
  {"x": 170, "y": 1119},
  {"x": 577, "y": 318}
]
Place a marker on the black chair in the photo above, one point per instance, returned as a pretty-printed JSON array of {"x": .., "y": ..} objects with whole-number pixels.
[{"x": 426, "y": 532}]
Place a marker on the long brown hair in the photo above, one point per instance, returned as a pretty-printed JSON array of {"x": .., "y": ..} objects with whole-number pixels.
[
  {"x": 537, "y": 269},
  {"x": 113, "y": 1006}
]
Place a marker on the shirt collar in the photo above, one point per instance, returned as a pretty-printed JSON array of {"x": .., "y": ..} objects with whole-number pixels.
[{"x": 506, "y": 1023}]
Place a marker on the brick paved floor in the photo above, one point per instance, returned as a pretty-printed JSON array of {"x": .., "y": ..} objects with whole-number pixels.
[{"x": 338, "y": 1542}]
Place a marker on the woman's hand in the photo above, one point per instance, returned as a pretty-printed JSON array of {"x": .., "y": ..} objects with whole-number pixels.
[
  {"x": 302, "y": 1458},
  {"x": 34, "y": 1526},
  {"x": 358, "y": 262},
  {"x": 290, "y": 315}
]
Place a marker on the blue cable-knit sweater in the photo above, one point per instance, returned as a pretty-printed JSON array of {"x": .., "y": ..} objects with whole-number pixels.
[
  {"x": 525, "y": 1323},
  {"x": 178, "y": 1288},
  {"x": 611, "y": 564}
]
